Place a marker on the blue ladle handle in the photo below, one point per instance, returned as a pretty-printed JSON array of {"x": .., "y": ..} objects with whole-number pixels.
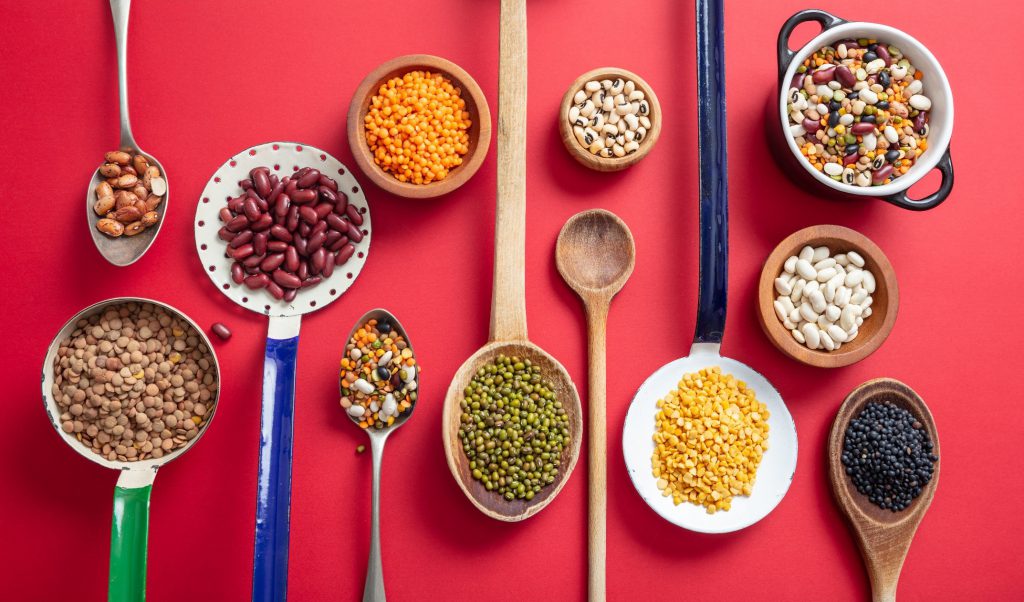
[
  {"x": 714, "y": 183},
  {"x": 274, "y": 480}
]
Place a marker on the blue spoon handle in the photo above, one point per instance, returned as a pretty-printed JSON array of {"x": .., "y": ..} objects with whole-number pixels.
[
  {"x": 274, "y": 480},
  {"x": 714, "y": 184}
]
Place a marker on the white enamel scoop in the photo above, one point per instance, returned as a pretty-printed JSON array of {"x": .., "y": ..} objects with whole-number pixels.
[
  {"x": 778, "y": 465},
  {"x": 274, "y": 480}
]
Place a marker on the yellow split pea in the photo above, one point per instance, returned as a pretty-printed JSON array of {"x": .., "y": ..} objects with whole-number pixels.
[
  {"x": 710, "y": 435},
  {"x": 417, "y": 127}
]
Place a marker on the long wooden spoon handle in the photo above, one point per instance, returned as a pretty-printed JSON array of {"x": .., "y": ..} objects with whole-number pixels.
[
  {"x": 597, "y": 321},
  {"x": 508, "y": 303}
]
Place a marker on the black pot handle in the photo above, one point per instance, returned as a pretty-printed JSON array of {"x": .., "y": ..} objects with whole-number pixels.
[
  {"x": 714, "y": 183},
  {"x": 827, "y": 20},
  {"x": 945, "y": 166}
]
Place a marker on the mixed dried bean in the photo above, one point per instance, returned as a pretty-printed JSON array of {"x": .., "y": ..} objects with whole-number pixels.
[
  {"x": 379, "y": 375},
  {"x": 857, "y": 112}
]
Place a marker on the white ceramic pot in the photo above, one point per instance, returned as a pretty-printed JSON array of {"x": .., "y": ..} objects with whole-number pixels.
[{"x": 940, "y": 117}]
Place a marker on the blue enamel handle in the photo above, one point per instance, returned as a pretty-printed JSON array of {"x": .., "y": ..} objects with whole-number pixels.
[
  {"x": 714, "y": 183},
  {"x": 274, "y": 489}
]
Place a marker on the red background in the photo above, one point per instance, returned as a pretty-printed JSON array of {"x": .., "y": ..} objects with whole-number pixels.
[{"x": 209, "y": 79}]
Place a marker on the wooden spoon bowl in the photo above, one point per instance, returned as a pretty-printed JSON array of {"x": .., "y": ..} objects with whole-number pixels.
[
  {"x": 583, "y": 155},
  {"x": 884, "y": 307},
  {"x": 479, "y": 132},
  {"x": 883, "y": 536},
  {"x": 489, "y": 502}
]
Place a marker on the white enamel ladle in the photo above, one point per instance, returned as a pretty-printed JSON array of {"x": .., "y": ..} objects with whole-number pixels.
[{"x": 274, "y": 480}]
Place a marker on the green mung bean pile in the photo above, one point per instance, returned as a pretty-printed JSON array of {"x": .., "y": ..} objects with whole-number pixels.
[{"x": 513, "y": 428}]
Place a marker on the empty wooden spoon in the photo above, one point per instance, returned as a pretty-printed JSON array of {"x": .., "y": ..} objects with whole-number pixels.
[
  {"x": 883, "y": 536},
  {"x": 595, "y": 256},
  {"x": 508, "y": 301}
]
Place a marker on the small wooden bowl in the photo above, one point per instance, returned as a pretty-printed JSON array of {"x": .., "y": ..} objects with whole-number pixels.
[
  {"x": 479, "y": 132},
  {"x": 582, "y": 154},
  {"x": 884, "y": 307}
]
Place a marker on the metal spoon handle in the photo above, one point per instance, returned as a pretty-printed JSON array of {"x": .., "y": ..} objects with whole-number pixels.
[
  {"x": 373, "y": 591},
  {"x": 714, "y": 183},
  {"x": 119, "y": 9}
]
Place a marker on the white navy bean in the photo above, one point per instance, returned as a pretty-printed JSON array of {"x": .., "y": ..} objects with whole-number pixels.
[
  {"x": 782, "y": 286},
  {"x": 810, "y": 332},
  {"x": 826, "y": 274},
  {"x": 837, "y": 334},
  {"x": 789, "y": 324},
  {"x": 363, "y": 386},
  {"x": 826, "y": 341},
  {"x": 798, "y": 291},
  {"x": 854, "y": 277},
  {"x": 855, "y": 258},
  {"x": 842, "y": 259},
  {"x": 806, "y": 253},
  {"x": 832, "y": 312},
  {"x": 787, "y": 303},
  {"x": 828, "y": 262},
  {"x": 832, "y": 169},
  {"x": 817, "y": 301},
  {"x": 869, "y": 282},
  {"x": 806, "y": 270},
  {"x": 807, "y": 312},
  {"x": 921, "y": 102},
  {"x": 868, "y": 96},
  {"x": 790, "y": 265},
  {"x": 780, "y": 310},
  {"x": 799, "y": 336}
]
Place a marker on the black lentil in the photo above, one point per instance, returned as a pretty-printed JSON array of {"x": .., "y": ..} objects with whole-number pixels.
[{"x": 888, "y": 455}]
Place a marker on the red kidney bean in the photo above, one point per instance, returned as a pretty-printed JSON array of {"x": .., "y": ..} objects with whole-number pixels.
[
  {"x": 328, "y": 182},
  {"x": 240, "y": 239},
  {"x": 251, "y": 209},
  {"x": 883, "y": 54},
  {"x": 241, "y": 252},
  {"x": 823, "y": 76},
  {"x": 252, "y": 194},
  {"x": 263, "y": 205},
  {"x": 851, "y": 159},
  {"x": 280, "y": 233},
  {"x": 293, "y": 218},
  {"x": 305, "y": 195},
  {"x": 323, "y": 210},
  {"x": 274, "y": 180},
  {"x": 797, "y": 81},
  {"x": 338, "y": 244},
  {"x": 221, "y": 330},
  {"x": 861, "y": 128},
  {"x": 261, "y": 181},
  {"x": 237, "y": 272},
  {"x": 245, "y": 184},
  {"x": 327, "y": 194},
  {"x": 275, "y": 193},
  {"x": 309, "y": 178},
  {"x": 237, "y": 223},
  {"x": 879, "y": 175},
  {"x": 304, "y": 230},
  {"x": 276, "y": 246},
  {"x": 329, "y": 262},
  {"x": 264, "y": 222},
  {"x": 291, "y": 259},
  {"x": 354, "y": 233},
  {"x": 344, "y": 254},
  {"x": 316, "y": 240},
  {"x": 252, "y": 261},
  {"x": 319, "y": 227},
  {"x": 285, "y": 279},
  {"x": 298, "y": 174},
  {"x": 353, "y": 215},
  {"x": 316, "y": 261},
  {"x": 312, "y": 280},
  {"x": 235, "y": 204},
  {"x": 290, "y": 294},
  {"x": 272, "y": 262},
  {"x": 301, "y": 246},
  {"x": 336, "y": 222},
  {"x": 290, "y": 186},
  {"x": 811, "y": 125},
  {"x": 342, "y": 205},
  {"x": 226, "y": 234},
  {"x": 256, "y": 281},
  {"x": 276, "y": 291},
  {"x": 845, "y": 76},
  {"x": 333, "y": 236},
  {"x": 259, "y": 243},
  {"x": 919, "y": 121},
  {"x": 225, "y": 214},
  {"x": 284, "y": 203},
  {"x": 303, "y": 271},
  {"x": 255, "y": 269},
  {"x": 308, "y": 215}
]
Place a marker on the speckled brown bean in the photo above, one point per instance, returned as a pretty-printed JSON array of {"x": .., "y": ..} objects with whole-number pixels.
[
  {"x": 134, "y": 228},
  {"x": 110, "y": 170},
  {"x": 150, "y": 218},
  {"x": 104, "y": 205},
  {"x": 110, "y": 227}
]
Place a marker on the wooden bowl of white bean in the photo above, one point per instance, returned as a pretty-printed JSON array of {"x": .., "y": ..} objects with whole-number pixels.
[
  {"x": 827, "y": 296},
  {"x": 609, "y": 119}
]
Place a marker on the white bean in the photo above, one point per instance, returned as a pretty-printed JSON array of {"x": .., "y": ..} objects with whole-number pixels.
[
  {"x": 810, "y": 333},
  {"x": 842, "y": 259},
  {"x": 826, "y": 341},
  {"x": 782, "y": 286},
  {"x": 819, "y": 254},
  {"x": 805, "y": 269},
  {"x": 828, "y": 262},
  {"x": 832, "y": 312},
  {"x": 826, "y": 274},
  {"x": 854, "y": 277},
  {"x": 798, "y": 291},
  {"x": 807, "y": 312},
  {"x": 855, "y": 258},
  {"x": 869, "y": 282},
  {"x": 790, "y": 265},
  {"x": 837, "y": 334},
  {"x": 817, "y": 300},
  {"x": 780, "y": 310},
  {"x": 798, "y": 336},
  {"x": 806, "y": 253}
]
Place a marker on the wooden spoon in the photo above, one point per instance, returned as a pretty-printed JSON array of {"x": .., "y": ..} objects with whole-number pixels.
[
  {"x": 595, "y": 256},
  {"x": 883, "y": 536},
  {"x": 508, "y": 301}
]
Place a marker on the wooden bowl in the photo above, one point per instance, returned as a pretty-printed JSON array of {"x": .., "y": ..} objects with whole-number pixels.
[
  {"x": 583, "y": 155},
  {"x": 884, "y": 307},
  {"x": 479, "y": 132},
  {"x": 883, "y": 536},
  {"x": 489, "y": 502}
]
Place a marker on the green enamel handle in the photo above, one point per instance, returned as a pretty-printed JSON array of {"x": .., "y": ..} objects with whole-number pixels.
[{"x": 129, "y": 532}]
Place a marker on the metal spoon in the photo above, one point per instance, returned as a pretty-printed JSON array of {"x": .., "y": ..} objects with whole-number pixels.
[
  {"x": 123, "y": 250},
  {"x": 130, "y": 526},
  {"x": 373, "y": 591},
  {"x": 595, "y": 254}
]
